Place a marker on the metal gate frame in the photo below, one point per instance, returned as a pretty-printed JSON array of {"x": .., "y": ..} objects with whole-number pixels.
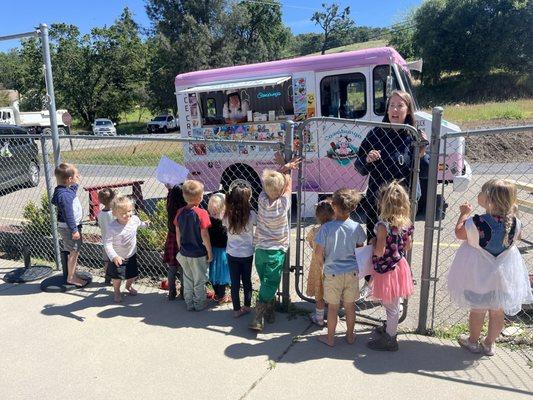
[{"x": 299, "y": 267}]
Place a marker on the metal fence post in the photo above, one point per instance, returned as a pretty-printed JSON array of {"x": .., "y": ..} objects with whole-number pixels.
[
  {"x": 50, "y": 191},
  {"x": 429, "y": 225},
  {"x": 286, "y": 277},
  {"x": 50, "y": 96}
]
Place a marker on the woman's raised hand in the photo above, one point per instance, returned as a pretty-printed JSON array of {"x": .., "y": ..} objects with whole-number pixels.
[{"x": 373, "y": 155}]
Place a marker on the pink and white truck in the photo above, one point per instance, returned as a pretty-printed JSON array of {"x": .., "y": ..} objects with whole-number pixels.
[{"x": 254, "y": 102}]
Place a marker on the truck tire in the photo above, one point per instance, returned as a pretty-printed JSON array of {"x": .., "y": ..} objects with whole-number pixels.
[
  {"x": 62, "y": 131},
  {"x": 165, "y": 130},
  {"x": 47, "y": 131}
]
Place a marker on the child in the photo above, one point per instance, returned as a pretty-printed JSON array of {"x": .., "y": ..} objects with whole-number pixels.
[
  {"x": 218, "y": 269},
  {"x": 121, "y": 245},
  {"x": 239, "y": 220},
  {"x": 69, "y": 215},
  {"x": 335, "y": 245},
  {"x": 105, "y": 197},
  {"x": 271, "y": 239},
  {"x": 194, "y": 246},
  {"x": 315, "y": 281},
  {"x": 488, "y": 273},
  {"x": 175, "y": 201},
  {"x": 391, "y": 279}
]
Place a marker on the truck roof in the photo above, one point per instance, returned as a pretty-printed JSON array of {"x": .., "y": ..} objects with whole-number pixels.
[{"x": 375, "y": 56}]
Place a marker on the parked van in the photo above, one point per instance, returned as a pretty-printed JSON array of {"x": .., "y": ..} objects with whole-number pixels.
[{"x": 253, "y": 102}]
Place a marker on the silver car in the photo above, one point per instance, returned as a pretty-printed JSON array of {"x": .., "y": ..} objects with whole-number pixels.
[{"x": 104, "y": 127}]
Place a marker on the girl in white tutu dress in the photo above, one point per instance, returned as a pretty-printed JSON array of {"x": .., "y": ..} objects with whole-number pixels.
[{"x": 488, "y": 272}]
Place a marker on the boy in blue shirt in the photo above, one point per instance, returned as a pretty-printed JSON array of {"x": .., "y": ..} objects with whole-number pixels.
[
  {"x": 336, "y": 242},
  {"x": 69, "y": 215}
]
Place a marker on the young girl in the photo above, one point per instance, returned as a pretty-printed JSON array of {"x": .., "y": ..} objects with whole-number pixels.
[
  {"x": 239, "y": 220},
  {"x": 488, "y": 273},
  {"x": 121, "y": 245},
  {"x": 391, "y": 280},
  {"x": 315, "y": 281},
  {"x": 105, "y": 197},
  {"x": 218, "y": 269},
  {"x": 175, "y": 201}
]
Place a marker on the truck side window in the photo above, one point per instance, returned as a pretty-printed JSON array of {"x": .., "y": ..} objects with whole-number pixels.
[
  {"x": 343, "y": 96},
  {"x": 379, "y": 79}
]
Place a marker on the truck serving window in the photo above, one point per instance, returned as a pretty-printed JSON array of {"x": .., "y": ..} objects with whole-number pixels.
[
  {"x": 379, "y": 79},
  {"x": 343, "y": 96}
]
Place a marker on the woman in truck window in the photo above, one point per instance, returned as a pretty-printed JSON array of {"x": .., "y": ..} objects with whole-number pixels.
[{"x": 234, "y": 109}]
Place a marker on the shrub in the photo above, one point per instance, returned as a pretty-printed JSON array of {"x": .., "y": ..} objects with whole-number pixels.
[
  {"x": 154, "y": 236},
  {"x": 38, "y": 220}
]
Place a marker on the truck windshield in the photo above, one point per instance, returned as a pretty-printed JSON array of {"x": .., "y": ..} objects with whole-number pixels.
[
  {"x": 103, "y": 123},
  {"x": 160, "y": 118},
  {"x": 406, "y": 79}
]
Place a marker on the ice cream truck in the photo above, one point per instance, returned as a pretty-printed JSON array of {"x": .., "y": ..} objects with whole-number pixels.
[{"x": 254, "y": 102}]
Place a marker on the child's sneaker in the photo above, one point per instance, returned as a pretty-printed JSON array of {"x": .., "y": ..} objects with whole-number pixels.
[
  {"x": 316, "y": 320},
  {"x": 464, "y": 342},
  {"x": 488, "y": 350},
  {"x": 384, "y": 343}
]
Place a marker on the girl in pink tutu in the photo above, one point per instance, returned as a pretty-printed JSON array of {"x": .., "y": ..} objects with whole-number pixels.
[{"x": 391, "y": 279}]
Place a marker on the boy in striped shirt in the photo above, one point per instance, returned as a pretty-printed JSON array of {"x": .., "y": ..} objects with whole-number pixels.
[{"x": 271, "y": 239}]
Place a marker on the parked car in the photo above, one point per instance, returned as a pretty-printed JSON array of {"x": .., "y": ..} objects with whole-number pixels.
[
  {"x": 104, "y": 127},
  {"x": 163, "y": 123},
  {"x": 19, "y": 165}
]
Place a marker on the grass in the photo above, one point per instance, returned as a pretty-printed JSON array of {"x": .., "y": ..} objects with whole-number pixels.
[
  {"x": 144, "y": 154},
  {"x": 513, "y": 110}
]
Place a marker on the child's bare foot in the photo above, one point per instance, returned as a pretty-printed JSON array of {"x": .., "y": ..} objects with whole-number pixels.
[
  {"x": 324, "y": 339},
  {"x": 76, "y": 282},
  {"x": 131, "y": 291},
  {"x": 350, "y": 338},
  {"x": 118, "y": 298}
]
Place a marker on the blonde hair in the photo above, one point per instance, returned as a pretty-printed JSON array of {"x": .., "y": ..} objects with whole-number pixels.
[
  {"x": 192, "y": 190},
  {"x": 346, "y": 200},
  {"x": 394, "y": 205},
  {"x": 216, "y": 205},
  {"x": 501, "y": 201},
  {"x": 121, "y": 202},
  {"x": 64, "y": 171},
  {"x": 274, "y": 183}
]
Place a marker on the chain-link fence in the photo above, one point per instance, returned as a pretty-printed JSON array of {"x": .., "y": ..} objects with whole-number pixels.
[
  {"x": 334, "y": 153},
  {"x": 504, "y": 153},
  {"x": 125, "y": 164}
]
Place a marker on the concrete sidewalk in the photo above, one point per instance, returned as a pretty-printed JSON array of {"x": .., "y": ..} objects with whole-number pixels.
[{"x": 80, "y": 346}]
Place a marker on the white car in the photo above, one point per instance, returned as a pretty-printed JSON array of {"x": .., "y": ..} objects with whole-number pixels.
[
  {"x": 163, "y": 123},
  {"x": 104, "y": 127}
]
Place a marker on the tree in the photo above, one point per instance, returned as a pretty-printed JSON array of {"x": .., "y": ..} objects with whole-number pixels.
[
  {"x": 473, "y": 36},
  {"x": 334, "y": 23}
]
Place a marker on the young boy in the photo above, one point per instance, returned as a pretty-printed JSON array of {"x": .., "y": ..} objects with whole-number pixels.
[
  {"x": 271, "y": 239},
  {"x": 121, "y": 245},
  {"x": 105, "y": 196},
  {"x": 194, "y": 246},
  {"x": 336, "y": 242},
  {"x": 69, "y": 215}
]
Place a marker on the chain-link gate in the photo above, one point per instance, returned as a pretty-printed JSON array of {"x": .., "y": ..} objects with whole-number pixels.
[
  {"x": 329, "y": 148},
  {"x": 504, "y": 153},
  {"x": 126, "y": 164}
]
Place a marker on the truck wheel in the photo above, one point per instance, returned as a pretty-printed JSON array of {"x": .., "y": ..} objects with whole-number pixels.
[
  {"x": 47, "y": 131},
  {"x": 165, "y": 130},
  {"x": 242, "y": 172},
  {"x": 33, "y": 174},
  {"x": 62, "y": 131}
]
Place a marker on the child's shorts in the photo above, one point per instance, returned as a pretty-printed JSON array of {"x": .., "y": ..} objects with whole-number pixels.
[
  {"x": 127, "y": 270},
  {"x": 343, "y": 287},
  {"x": 70, "y": 244}
]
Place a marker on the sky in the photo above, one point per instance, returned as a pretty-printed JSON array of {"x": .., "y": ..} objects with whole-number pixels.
[{"x": 24, "y": 15}]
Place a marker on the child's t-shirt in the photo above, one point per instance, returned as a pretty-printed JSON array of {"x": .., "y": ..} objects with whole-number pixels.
[
  {"x": 69, "y": 210},
  {"x": 272, "y": 231},
  {"x": 121, "y": 240},
  {"x": 190, "y": 221},
  {"x": 339, "y": 240},
  {"x": 104, "y": 218},
  {"x": 217, "y": 233},
  {"x": 242, "y": 244}
]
